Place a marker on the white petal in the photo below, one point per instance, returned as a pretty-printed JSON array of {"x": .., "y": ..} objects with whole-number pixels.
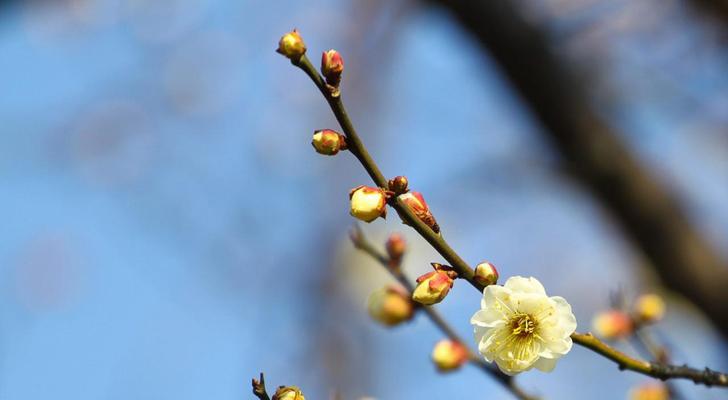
[
  {"x": 535, "y": 305},
  {"x": 567, "y": 320},
  {"x": 556, "y": 348},
  {"x": 488, "y": 318},
  {"x": 545, "y": 364},
  {"x": 498, "y": 298},
  {"x": 525, "y": 285}
]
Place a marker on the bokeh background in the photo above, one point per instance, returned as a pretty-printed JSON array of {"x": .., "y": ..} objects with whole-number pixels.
[{"x": 168, "y": 232}]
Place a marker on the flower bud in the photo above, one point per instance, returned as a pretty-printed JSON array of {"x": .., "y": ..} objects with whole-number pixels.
[
  {"x": 416, "y": 203},
  {"x": 650, "y": 391},
  {"x": 328, "y": 142},
  {"x": 288, "y": 393},
  {"x": 396, "y": 246},
  {"x": 432, "y": 287},
  {"x": 485, "y": 274},
  {"x": 649, "y": 308},
  {"x": 332, "y": 65},
  {"x": 291, "y": 45},
  {"x": 449, "y": 355},
  {"x": 613, "y": 324},
  {"x": 398, "y": 184},
  {"x": 368, "y": 203},
  {"x": 390, "y": 306}
]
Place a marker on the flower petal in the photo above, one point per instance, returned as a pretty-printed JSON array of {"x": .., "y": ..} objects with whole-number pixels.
[
  {"x": 488, "y": 318},
  {"x": 545, "y": 364},
  {"x": 497, "y": 297},
  {"x": 525, "y": 285}
]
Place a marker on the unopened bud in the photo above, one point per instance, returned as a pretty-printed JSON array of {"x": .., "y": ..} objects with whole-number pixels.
[
  {"x": 416, "y": 203},
  {"x": 432, "y": 287},
  {"x": 398, "y": 184},
  {"x": 396, "y": 246},
  {"x": 328, "y": 142},
  {"x": 649, "y": 308},
  {"x": 288, "y": 393},
  {"x": 650, "y": 391},
  {"x": 449, "y": 355},
  {"x": 368, "y": 203},
  {"x": 613, "y": 324},
  {"x": 390, "y": 306},
  {"x": 485, "y": 274},
  {"x": 292, "y": 46},
  {"x": 332, "y": 65}
]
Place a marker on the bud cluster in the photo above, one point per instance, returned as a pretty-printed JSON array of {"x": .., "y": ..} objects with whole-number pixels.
[
  {"x": 449, "y": 355},
  {"x": 292, "y": 46},
  {"x": 485, "y": 274},
  {"x": 332, "y": 66},
  {"x": 367, "y": 203},
  {"x": 396, "y": 247},
  {"x": 419, "y": 207},
  {"x": 288, "y": 393},
  {"x": 619, "y": 324},
  {"x": 432, "y": 287},
  {"x": 328, "y": 142},
  {"x": 390, "y": 306}
]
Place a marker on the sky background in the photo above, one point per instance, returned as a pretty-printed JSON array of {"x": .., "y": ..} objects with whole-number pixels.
[{"x": 168, "y": 232}]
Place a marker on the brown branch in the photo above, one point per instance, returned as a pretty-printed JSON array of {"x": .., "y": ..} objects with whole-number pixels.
[
  {"x": 259, "y": 388},
  {"x": 661, "y": 371},
  {"x": 461, "y": 267},
  {"x": 356, "y": 147},
  {"x": 360, "y": 242},
  {"x": 593, "y": 152}
]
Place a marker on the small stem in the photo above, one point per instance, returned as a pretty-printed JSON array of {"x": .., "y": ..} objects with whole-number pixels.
[
  {"x": 656, "y": 370},
  {"x": 259, "y": 388}
]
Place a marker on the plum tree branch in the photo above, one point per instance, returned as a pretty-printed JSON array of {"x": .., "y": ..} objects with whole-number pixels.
[{"x": 660, "y": 371}]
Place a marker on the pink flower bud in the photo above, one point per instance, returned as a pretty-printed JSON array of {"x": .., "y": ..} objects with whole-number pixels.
[
  {"x": 368, "y": 203},
  {"x": 485, "y": 274},
  {"x": 328, "y": 142},
  {"x": 398, "y": 184},
  {"x": 449, "y": 355},
  {"x": 332, "y": 65},
  {"x": 613, "y": 324},
  {"x": 416, "y": 203},
  {"x": 396, "y": 246},
  {"x": 432, "y": 287},
  {"x": 292, "y": 46},
  {"x": 390, "y": 306}
]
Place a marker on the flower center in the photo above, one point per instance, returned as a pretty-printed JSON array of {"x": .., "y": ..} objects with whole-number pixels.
[{"x": 522, "y": 325}]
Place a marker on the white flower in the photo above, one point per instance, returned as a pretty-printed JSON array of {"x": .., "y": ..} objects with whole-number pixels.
[{"x": 520, "y": 327}]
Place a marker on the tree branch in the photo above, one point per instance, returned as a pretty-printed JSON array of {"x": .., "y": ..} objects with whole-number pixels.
[
  {"x": 661, "y": 371},
  {"x": 464, "y": 271},
  {"x": 356, "y": 147},
  {"x": 593, "y": 152}
]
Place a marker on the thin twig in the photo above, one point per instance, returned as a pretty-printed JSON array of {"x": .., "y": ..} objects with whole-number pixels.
[
  {"x": 259, "y": 388},
  {"x": 657, "y": 370},
  {"x": 360, "y": 242},
  {"x": 660, "y": 371}
]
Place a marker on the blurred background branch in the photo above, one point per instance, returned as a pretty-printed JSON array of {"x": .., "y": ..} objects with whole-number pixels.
[{"x": 595, "y": 155}]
